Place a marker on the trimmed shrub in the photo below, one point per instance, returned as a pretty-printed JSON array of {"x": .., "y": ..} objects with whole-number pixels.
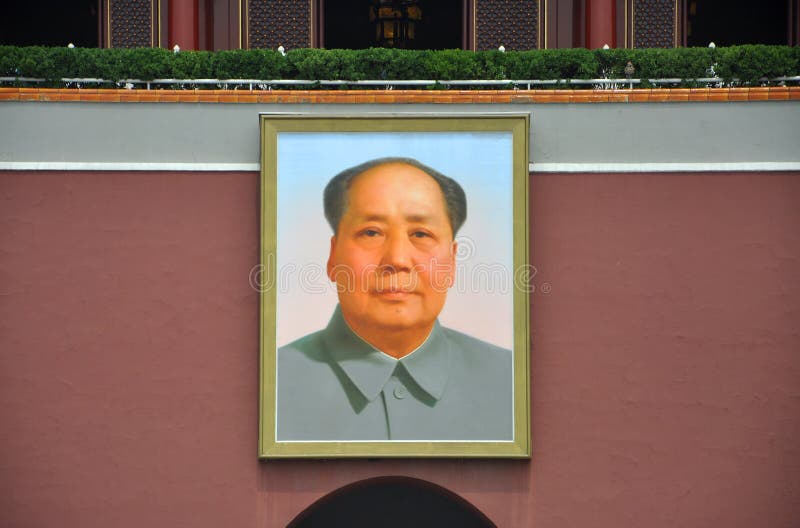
[{"x": 746, "y": 64}]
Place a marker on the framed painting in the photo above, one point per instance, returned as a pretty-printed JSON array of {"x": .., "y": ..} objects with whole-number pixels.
[{"x": 394, "y": 283}]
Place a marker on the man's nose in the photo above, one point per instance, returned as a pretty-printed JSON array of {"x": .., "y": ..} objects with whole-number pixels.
[{"x": 397, "y": 253}]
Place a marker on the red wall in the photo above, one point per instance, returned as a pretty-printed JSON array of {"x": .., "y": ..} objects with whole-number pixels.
[{"x": 665, "y": 359}]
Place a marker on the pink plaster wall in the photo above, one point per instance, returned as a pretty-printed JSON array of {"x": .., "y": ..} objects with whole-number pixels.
[{"x": 666, "y": 357}]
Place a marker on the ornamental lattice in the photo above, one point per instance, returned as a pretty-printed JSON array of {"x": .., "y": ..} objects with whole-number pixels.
[
  {"x": 273, "y": 23},
  {"x": 131, "y": 23},
  {"x": 654, "y": 23},
  {"x": 511, "y": 23}
]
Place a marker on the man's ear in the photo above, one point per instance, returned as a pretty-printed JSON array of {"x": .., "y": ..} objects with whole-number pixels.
[{"x": 332, "y": 259}]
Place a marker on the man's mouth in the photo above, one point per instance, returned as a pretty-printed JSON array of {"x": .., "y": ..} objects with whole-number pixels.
[
  {"x": 395, "y": 286},
  {"x": 393, "y": 291}
]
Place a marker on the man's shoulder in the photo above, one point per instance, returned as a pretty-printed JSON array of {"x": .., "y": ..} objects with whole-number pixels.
[
  {"x": 306, "y": 348},
  {"x": 479, "y": 363},
  {"x": 472, "y": 345}
]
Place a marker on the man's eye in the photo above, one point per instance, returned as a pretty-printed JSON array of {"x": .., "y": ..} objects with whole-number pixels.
[
  {"x": 420, "y": 234},
  {"x": 370, "y": 233}
]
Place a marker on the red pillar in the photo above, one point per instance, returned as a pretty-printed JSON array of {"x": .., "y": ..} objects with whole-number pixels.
[
  {"x": 601, "y": 23},
  {"x": 183, "y": 24}
]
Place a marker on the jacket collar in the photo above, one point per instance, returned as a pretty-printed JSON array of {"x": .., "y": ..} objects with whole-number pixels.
[{"x": 369, "y": 369}]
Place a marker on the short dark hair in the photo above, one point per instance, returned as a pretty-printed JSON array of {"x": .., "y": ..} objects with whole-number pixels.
[{"x": 335, "y": 194}]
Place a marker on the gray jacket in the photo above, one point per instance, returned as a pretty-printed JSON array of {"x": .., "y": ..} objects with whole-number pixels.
[{"x": 334, "y": 386}]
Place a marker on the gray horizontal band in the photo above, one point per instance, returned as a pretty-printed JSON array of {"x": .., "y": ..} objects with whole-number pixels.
[{"x": 614, "y": 137}]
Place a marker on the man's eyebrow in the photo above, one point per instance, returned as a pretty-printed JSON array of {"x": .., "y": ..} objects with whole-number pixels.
[{"x": 419, "y": 218}]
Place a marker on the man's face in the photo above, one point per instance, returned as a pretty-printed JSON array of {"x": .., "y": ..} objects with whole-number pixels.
[{"x": 393, "y": 256}]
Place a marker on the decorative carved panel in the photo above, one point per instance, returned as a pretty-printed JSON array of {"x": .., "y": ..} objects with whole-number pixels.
[
  {"x": 273, "y": 23},
  {"x": 510, "y": 23},
  {"x": 131, "y": 23},
  {"x": 654, "y": 23}
]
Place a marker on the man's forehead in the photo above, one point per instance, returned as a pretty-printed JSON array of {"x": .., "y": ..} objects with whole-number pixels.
[
  {"x": 372, "y": 189},
  {"x": 367, "y": 208}
]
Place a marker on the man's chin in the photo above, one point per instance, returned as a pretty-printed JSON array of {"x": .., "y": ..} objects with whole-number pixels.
[{"x": 394, "y": 323}]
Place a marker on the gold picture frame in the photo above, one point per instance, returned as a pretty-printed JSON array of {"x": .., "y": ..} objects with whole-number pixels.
[{"x": 301, "y": 413}]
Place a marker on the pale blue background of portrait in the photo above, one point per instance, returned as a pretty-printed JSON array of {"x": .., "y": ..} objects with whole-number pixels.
[{"x": 479, "y": 304}]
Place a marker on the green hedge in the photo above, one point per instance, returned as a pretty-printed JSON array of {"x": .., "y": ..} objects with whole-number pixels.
[{"x": 748, "y": 64}]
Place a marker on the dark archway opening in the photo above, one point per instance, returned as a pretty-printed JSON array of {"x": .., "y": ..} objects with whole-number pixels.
[
  {"x": 50, "y": 23},
  {"x": 391, "y": 502},
  {"x": 346, "y": 25},
  {"x": 735, "y": 22}
]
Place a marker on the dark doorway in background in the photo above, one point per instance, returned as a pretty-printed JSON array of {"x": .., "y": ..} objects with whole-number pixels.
[
  {"x": 345, "y": 24},
  {"x": 392, "y": 502},
  {"x": 735, "y": 22},
  {"x": 49, "y": 23}
]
